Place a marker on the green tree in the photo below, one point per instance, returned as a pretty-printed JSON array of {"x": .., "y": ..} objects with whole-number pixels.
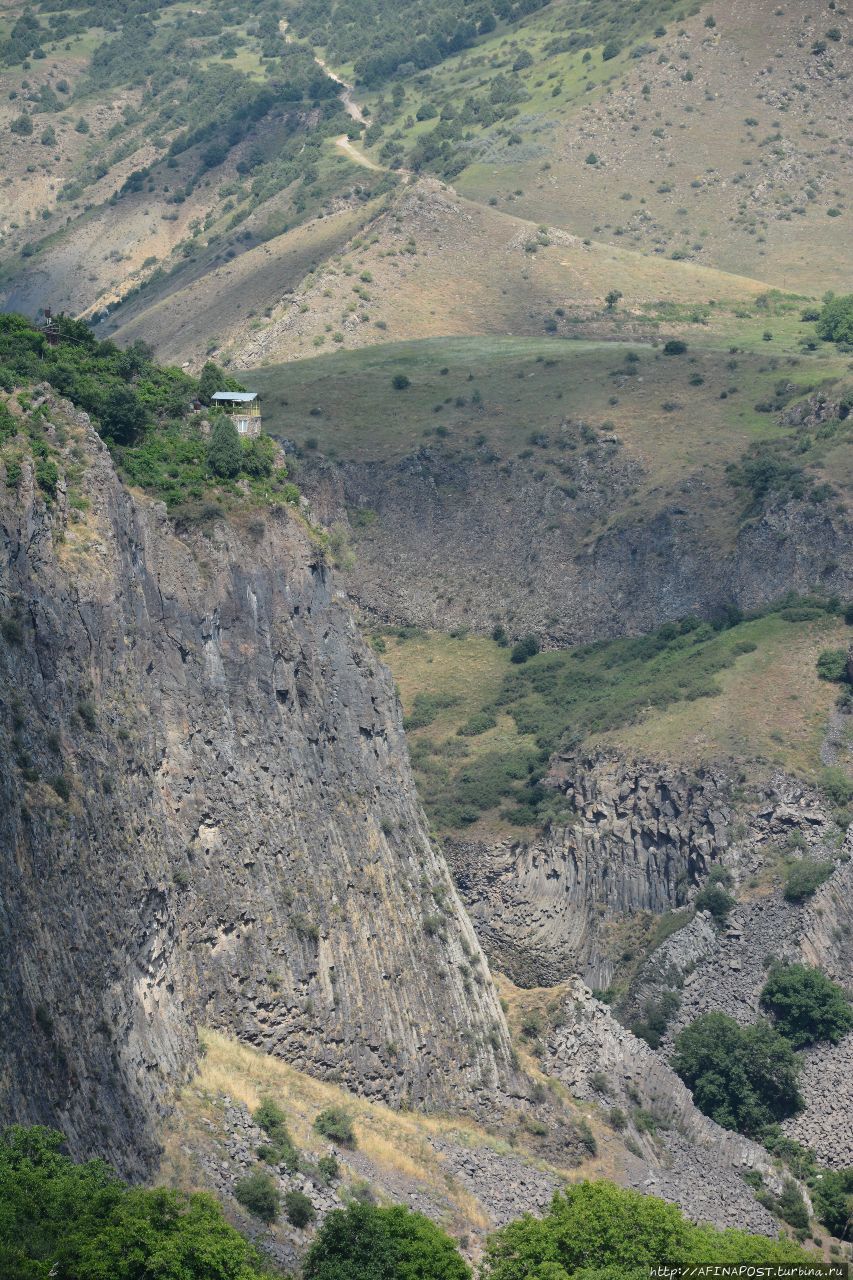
[
  {"x": 122, "y": 415},
  {"x": 211, "y": 379},
  {"x": 224, "y": 451},
  {"x": 832, "y": 1192},
  {"x": 597, "y": 1231},
  {"x": 80, "y": 1222},
  {"x": 835, "y": 323},
  {"x": 612, "y": 298},
  {"x": 364, "y": 1242},
  {"x": 806, "y": 1006},
  {"x": 804, "y": 878},
  {"x": 744, "y": 1078},
  {"x": 714, "y": 898}
]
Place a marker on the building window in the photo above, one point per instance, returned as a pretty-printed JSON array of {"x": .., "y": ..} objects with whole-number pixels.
[{"x": 242, "y": 425}]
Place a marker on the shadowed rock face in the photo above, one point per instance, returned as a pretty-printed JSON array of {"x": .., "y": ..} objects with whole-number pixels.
[
  {"x": 464, "y": 542},
  {"x": 240, "y": 845},
  {"x": 645, "y": 834}
]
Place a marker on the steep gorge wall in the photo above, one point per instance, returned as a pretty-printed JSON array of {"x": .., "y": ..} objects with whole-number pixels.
[
  {"x": 207, "y": 815},
  {"x": 643, "y": 837},
  {"x": 459, "y": 541}
]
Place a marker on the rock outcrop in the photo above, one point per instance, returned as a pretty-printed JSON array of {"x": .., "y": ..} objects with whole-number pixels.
[
  {"x": 690, "y": 1160},
  {"x": 469, "y": 539},
  {"x": 207, "y": 815},
  {"x": 643, "y": 838}
]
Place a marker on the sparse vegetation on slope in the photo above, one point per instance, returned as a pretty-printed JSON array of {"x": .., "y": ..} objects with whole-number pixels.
[{"x": 485, "y": 747}]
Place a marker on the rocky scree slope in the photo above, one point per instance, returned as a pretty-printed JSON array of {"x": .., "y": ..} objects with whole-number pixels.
[{"x": 207, "y": 816}]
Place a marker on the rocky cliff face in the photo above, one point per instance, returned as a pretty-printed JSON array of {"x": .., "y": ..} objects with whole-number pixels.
[
  {"x": 643, "y": 838},
  {"x": 207, "y": 815},
  {"x": 689, "y": 1160},
  {"x": 460, "y": 541}
]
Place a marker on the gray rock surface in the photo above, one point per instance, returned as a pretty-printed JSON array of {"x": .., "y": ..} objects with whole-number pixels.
[
  {"x": 644, "y": 837},
  {"x": 467, "y": 538},
  {"x": 690, "y": 1161},
  {"x": 241, "y": 845}
]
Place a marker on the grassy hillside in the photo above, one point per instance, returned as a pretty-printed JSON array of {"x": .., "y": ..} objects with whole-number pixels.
[
  {"x": 394, "y": 1159},
  {"x": 482, "y": 728},
  {"x": 713, "y": 133},
  {"x": 135, "y": 142}
]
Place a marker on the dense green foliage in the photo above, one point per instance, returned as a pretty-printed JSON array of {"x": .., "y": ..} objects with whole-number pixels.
[
  {"x": 80, "y": 1222},
  {"x": 835, "y": 323},
  {"x": 804, "y": 878},
  {"x": 280, "y": 1147},
  {"x": 832, "y": 1192},
  {"x": 597, "y": 1231},
  {"x": 336, "y": 1124},
  {"x": 143, "y": 410},
  {"x": 364, "y": 1242},
  {"x": 805, "y": 1005},
  {"x": 744, "y": 1078},
  {"x": 258, "y": 1193}
]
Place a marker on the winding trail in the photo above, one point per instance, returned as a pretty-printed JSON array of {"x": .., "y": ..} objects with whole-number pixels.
[{"x": 347, "y": 96}]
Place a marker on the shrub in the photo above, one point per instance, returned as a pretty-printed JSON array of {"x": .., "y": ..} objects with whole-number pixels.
[
  {"x": 280, "y": 1149},
  {"x": 805, "y": 878},
  {"x": 365, "y": 1242},
  {"x": 789, "y": 1205},
  {"x": 259, "y": 1194},
  {"x": 656, "y": 1017},
  {"x": 674, "y": 347},
  {"x": 298, "y": 1208},
  {"x": 714, "y": 898},
  {"x": 744, "y": 1078},
  {"x": 328, "y": 1168},
  {"x": 832, "y": 664},
  {"x": 22, "y": 125},
  {"x": 336, "y": 1124},
  {"x": 611, "y": 50},
  {"x": 526, "y": 648},
  {"x": 400, "y": 382},
  {"x": 806, "y": 1006}
]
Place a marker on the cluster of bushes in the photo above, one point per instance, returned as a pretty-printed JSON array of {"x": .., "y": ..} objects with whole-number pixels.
[
  {"x": 745, "y": 1078},
  {"x": 64, "y": 1219},
  {"x": 143, "y": 410},
  {"x": 558, "y": 698},
  {"x": 259, "y": 1192},
  {"x": 58, "y": 1218}
]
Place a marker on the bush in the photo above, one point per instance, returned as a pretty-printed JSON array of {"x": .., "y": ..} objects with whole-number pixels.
[
  {"x": 298, "y": 1208},
  {"x": 336, "y": 1124},
  {"x": 280, "y": 1149},
  {"x": 804, "y": 878},
  {"x": 744, "y": 1078},
  {"x": 364, "y": 1242},
  {"x": 22, "y": 125},
  {"x": 656, "y": 1018},
  {"x": 80, "y": 1220},
  {"x": 832, "y": 665},
  {"x": 526, "y": 648},
  {"x": 400, "y": 382},
  {"x": 259, "y": 1194},
  {"x": 714, "y": 898},
  {"x": 806, "y": 1006},
  {"x": 611, "y": 50},
  {"x": 674, "y": 347}
]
